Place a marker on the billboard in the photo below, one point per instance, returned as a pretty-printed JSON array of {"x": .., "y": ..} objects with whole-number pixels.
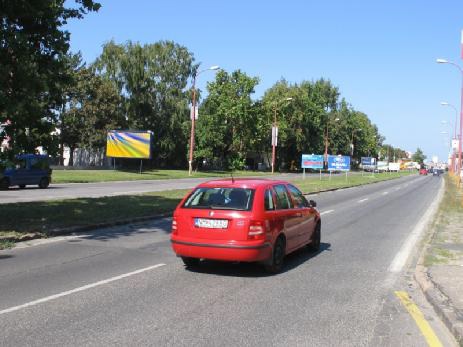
[
  {"x": 338, "y": 163},
  {"x": 312, "y": 161},
  {"x": 129, "y": 144}
]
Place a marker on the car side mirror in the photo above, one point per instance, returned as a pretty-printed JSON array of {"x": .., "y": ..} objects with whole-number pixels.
[{"x": 312, "y": 203}]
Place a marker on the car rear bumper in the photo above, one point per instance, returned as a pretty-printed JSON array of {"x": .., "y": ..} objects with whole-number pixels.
[{"x": 211, "y": 249}]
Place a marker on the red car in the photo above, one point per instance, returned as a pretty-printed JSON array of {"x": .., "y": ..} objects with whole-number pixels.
[
  {"x": 247, "y": 220},
  {"x": 423, "y": 172}
]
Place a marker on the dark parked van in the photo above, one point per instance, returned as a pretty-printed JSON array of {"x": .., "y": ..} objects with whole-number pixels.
[{"x": 27, "y": 169}]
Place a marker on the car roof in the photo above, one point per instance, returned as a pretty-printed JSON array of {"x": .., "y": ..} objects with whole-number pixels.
[{"x": 240, "y": 183}]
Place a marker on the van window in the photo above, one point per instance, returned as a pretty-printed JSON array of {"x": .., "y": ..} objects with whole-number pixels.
[{"x": 282, "y": 199}]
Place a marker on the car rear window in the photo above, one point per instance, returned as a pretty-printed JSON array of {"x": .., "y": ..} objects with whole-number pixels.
[{"x": 220, "y": 198}]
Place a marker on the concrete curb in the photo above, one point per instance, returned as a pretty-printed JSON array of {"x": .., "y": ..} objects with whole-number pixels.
[{"x": 442, "y": 305}]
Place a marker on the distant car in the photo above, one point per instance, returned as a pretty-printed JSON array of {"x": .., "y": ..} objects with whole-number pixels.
[
  {"x": 436, "y": 172},
  {"x": 247, "y": 220},
  {"x": 423, "y": 172},
  {"x": 27, "y": 169}
]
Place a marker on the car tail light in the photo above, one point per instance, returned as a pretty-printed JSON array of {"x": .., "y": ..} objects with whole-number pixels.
[
  {"x": 174, "y": 226},
  {"x": 256, "y": 230}
]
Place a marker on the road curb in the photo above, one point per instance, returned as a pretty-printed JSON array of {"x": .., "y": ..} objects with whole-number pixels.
[{"x": 441, "y": 303}]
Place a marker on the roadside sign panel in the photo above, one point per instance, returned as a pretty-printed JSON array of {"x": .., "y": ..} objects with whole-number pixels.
[
  {"x": 312, "y": 161},
  {"x": 274, "y": 136},
  {"x": 338, "y": 163},
  {"x": 368, "y": 163}
]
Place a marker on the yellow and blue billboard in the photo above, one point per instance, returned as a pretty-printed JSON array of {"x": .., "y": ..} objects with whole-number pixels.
[{"x": 129, "y": 144}]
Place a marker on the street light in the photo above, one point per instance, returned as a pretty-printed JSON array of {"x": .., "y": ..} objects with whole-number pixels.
[
  {"x": 444, "y": 61},
  {"x": 326, "y": 139},
  {"x": 352, "y": 141},
  {"x": 193, "y": 116},
  {"x": 275, "y": 131}
]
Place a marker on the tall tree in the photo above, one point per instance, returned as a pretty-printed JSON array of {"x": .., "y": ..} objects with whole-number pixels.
[
  {"x": 32, "y": 72},
  {"x": 93, "y": 107},
  {"x": 153, "y": 81},
  {"x": 228, "y": 120},
  {"x": 418, "y": 156}
]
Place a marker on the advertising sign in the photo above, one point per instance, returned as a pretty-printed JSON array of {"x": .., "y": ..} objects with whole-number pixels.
[
  {"x": 338, "y": 163},
  {"x": 454, "y": 144},
  {"x": 383, "y": 166},
  {"x": 129, "y": 144},
  {"x": 312, "y": 161},
  {"x": 368, "y": 161},
  {"x": 274, "y": 136}
]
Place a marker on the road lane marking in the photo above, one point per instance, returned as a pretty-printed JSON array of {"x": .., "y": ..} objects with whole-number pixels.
[
  {"x": 79, "y": 289},
  {"x": 417, "y": 315},
  {"x": 362, "y": 200},
  {"x": 326, "y": 212},
  {"x": 385, "y": 193}
]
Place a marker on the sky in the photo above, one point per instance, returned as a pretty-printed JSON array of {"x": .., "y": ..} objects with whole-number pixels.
[{"x": 380, "y": 54}]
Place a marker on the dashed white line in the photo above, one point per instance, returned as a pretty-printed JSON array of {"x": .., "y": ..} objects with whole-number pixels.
[
  {"x": 363, "y": 200},
  {"x": 80, "y": 289},
  {"x": 326, "y": 212},
  {"x": 385, "y": 193}
]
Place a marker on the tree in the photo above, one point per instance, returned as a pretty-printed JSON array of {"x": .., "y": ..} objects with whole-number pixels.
[
  {"x": 152, "y": 80},
  {"x": 32, "y": 72},
  {"x": 228, "y": 120},
  {"x": 418, "y": 156},
  {"x": 94, "y": 107}
]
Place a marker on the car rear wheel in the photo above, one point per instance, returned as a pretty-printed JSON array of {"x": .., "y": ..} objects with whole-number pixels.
[
  {"x": 314, "y": 244},
  {"x": 190, "y": 262},
  {"x": 22, "y": 186},
  {"x": 4, "y": 183},
  {"x": 44, "y": 183},
  {"x": 278, "y": 256}
]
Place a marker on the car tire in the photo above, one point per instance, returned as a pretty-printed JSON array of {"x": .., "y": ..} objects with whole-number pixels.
[
  {"x": 44, "y": 182},
  {"x": 190, "y": 262},
  {"x": 22, "y": 186},
  {"x": 314, "y": 245},
  {"x": 4, "y": 183},
  {"x": 278, "y": 256}
]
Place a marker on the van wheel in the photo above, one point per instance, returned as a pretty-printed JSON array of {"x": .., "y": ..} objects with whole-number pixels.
[
  {"x": 278, "y": 256},
  {"x": 314, "y": 245},
  {"x": 190, "y": 262},
  {"x": 22, "y": 186},
  {"x": 4, "y": 183},
  {"x": 44, "y": 182}
]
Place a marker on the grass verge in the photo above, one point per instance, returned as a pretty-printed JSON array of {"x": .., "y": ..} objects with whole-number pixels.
[
  {"x": 446, "y": 245},
  {"x": 88, "y": 176},
  {"x": 40, "y": 219}
]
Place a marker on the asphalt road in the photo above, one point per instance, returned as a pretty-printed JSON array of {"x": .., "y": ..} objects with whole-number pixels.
[
  {"x": 124, "y": 286},
  {"x": 93, "y": 190}
]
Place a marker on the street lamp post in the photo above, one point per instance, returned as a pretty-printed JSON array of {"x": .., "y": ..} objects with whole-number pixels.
[
  {"x": 444, "y": 103},
  {"x": 327, "y": 139},
  {"x": 193, "y": 118},
  {"x": 444, "y": 61},
  {"x": 275, "y": 132}
]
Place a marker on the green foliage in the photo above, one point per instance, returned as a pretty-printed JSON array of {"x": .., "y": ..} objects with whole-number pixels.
[
  {"x": 32, "y": 71},
  {"x": 418, "y": 156},
  {"x": 228, "y": 121},
  {"x": 152, "y": 81}
]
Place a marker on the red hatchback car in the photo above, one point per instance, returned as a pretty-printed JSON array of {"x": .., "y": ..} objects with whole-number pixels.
[{"x": 248, "y": 220}]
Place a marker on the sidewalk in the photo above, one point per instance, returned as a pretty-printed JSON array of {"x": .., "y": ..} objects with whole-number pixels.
[{"x": 440, "y": 268}]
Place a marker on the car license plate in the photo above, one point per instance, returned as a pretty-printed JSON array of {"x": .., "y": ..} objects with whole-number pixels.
[{"x": 211, "y": 223}]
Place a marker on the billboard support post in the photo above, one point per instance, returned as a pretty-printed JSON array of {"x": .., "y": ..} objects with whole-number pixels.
[
  {"x": 303, "y": 173},
  {"x": 141, "y": 165},
  {"x": 320, "y": 174}
]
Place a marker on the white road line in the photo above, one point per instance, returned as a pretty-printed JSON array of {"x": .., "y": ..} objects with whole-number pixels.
[
  {"x": 385, "y": 193},
  {"x": 80, "y": 289},
  {"x": 401, "y": 257},
  {"x": 363, "y": 200},
  {"x": 326, "y": 212}
]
